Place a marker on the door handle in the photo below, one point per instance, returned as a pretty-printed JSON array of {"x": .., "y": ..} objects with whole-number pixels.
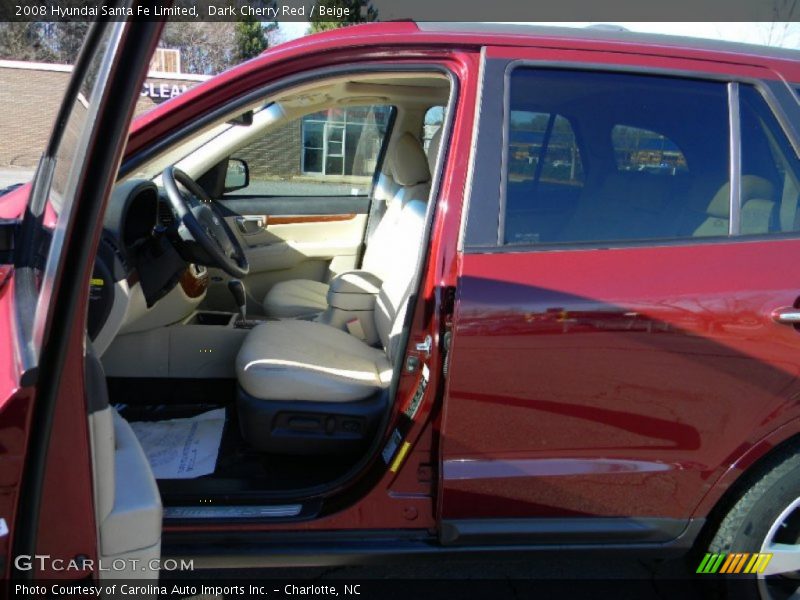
[
  {"x": 250, "y": 225},
  {"x": 786, "y": 316}
]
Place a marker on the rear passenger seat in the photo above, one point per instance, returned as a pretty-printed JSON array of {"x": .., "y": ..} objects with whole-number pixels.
[
  {"x": 758, "y": 209},
  {"x": 628, "y": 205}
]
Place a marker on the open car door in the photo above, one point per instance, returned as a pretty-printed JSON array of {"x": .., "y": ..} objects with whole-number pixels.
[{"x": 86, "y": 496}]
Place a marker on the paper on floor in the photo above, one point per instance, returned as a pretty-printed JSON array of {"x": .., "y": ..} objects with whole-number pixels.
[{"x": 182, "y": 448}]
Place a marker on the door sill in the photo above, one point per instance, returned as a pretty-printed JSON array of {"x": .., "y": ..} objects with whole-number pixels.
[{"x": 227, "y": 513}]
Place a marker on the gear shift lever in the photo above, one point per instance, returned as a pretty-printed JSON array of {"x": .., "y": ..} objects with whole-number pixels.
[{"x": 240, "y": 297}]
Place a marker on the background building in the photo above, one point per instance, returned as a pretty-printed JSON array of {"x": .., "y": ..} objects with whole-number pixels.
[{"x": 30, "y": 94}]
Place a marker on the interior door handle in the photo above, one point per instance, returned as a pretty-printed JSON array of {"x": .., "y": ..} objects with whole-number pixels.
[
  {"x": 249, "y": 225},
  {"x": 786, "y": 316}
]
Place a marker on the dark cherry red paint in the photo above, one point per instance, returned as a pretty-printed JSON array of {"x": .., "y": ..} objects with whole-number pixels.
[{"x": 631, "y": 382}]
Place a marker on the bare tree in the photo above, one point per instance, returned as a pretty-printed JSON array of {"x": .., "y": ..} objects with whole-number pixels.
[
  {"x": 781, "y": 31},
  {"x": 25, "y": 41},
  {"x": 206, "y": 48}
]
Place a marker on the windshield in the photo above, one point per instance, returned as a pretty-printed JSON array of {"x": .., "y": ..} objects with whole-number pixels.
[
  {"x": 52, "y": 192},
  {"x": 188, "y": 154}
]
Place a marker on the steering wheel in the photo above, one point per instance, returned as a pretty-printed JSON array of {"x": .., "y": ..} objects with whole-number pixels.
[{"x": 202, "y": 223}]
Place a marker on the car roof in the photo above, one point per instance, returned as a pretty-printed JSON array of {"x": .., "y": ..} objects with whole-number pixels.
[
  {"x": 524, "y": 35},
  {"x": 609, "y": 34}
]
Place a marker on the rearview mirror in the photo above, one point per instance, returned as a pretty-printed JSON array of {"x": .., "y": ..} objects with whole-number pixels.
[{"x": 237, "y": 175}]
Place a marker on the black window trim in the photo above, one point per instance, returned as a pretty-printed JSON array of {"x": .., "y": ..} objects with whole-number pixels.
[
  {"x": 776, "y": 93},
  {"x": 734, "y": 159}
]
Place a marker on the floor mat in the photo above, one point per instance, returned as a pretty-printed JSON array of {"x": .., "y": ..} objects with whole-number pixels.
[{"x": 182, "y": 448}]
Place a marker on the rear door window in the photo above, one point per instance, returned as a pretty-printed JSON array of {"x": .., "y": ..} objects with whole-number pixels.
[
  {"x": 770, "y": 170},
  {"x": 545, "y": 175},
  {"x": 597, "y": 157}
]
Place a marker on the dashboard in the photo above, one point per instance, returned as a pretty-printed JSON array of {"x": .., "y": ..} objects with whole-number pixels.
[{"x": 138, "y": 265}]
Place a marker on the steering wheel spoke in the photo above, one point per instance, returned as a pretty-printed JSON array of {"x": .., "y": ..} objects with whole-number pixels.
[{"x": 205, "y": 224}]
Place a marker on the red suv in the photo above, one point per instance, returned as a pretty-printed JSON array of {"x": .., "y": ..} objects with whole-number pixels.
[{"x": 403, "y": 290}]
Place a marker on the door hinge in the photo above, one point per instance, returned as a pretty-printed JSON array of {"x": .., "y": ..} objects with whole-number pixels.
[
  {"x": 448, "y": 310},
  {"x": 424, "y": 347},
  {"x": 448, "y": 335},
  {"x": 422, "y": 351}
]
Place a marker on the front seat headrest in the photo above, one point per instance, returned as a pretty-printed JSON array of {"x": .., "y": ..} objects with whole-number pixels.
[
  {"x": 409, "y": 163},
  {"x": 752, "y": 187}
]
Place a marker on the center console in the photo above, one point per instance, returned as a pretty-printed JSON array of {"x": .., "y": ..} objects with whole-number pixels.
[{"x": 202, "y": 345}]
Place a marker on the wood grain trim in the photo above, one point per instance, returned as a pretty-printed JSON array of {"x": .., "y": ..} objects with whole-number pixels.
[
  {"x": 193, "y": 286},
  {"x": 292, "y": 219}
]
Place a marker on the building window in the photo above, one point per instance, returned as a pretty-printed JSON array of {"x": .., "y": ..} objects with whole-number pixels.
[
  {"x": 333, "y": 152},
  {"x": 343, "y": 141},
  {"x": 637, "y": 149}
]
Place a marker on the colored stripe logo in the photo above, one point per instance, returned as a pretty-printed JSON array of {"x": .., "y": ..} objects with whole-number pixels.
[{"x": 736, "y": 562}]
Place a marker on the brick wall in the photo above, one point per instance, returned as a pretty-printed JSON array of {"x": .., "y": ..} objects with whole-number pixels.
[
  {"x": 30, "y": 95},
  {"x": 29, "y": 101},
  {"x": 276, "y": 155}
]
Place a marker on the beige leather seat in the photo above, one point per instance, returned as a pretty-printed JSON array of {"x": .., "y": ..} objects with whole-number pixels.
[
  {"x": 409, "y": 167},
  {"x": 296, "y": 298},
  {"x": 309, "y": 388},
  {"x": 757, "y": 208},
  {"x": 433, "y": 150}
]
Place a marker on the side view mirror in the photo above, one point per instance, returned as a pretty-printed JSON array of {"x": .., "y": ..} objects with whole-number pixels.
[{"x": 237, "y": 175}]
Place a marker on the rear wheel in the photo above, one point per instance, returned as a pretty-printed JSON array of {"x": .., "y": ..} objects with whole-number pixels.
[{"x": 765, "y": 519}]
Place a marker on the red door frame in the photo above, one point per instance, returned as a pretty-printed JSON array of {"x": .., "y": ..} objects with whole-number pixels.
[
  {"x": 399, "y": 500},
  {"x": 54, "y": 506}
]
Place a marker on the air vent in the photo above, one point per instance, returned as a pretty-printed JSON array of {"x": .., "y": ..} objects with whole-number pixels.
[{"x": 165, "y": 215}]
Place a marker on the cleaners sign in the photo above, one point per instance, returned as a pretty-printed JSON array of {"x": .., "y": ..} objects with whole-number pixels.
[{"x": 159, "y": 92}]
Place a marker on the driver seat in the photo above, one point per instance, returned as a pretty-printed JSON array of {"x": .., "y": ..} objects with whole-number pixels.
[{"x": 306, "y": 387}]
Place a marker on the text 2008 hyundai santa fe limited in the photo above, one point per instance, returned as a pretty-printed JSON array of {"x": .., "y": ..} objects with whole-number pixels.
[{"x": 407, "y": 290}]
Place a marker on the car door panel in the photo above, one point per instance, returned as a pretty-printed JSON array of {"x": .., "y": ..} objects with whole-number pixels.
[
  {"x": 127, "y": 501},
  {"x": 55, "y": 513},
  {"x": 289, "y": 238},
  {"x": 615, "y": 378},
  {"x": 579, "y": 376},
  {"x": 295, "y": 205}
]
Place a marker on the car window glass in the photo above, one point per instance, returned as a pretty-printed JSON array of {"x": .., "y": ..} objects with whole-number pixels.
[
  {"x": 434, "y": 117},
  {"x": 637, "y": 149},
  {"x": 603, "y": 157},
  {"x": 770, "y": 170},
  {"x": 333, "y": 152},
  {"x": 52, "y": 196},
  {"x": 545, "y": 171}
]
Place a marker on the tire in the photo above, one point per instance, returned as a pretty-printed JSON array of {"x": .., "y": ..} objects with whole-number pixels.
[{"x": 756, "y": 520}]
